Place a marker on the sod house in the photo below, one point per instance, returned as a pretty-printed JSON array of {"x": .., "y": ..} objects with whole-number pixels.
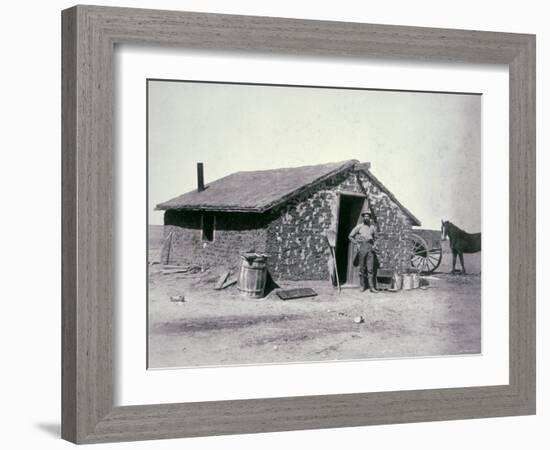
[{"x": 286, "y": 213}]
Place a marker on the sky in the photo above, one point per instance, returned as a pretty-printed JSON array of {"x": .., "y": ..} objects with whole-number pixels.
[{"x": 424, "y": 147}]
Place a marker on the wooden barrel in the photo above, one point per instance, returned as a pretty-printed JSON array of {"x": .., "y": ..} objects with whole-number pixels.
[{"x": 252, "y": 276}]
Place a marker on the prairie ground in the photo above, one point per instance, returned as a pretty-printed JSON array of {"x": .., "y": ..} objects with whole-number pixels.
[{"x": 223, "y": 328}]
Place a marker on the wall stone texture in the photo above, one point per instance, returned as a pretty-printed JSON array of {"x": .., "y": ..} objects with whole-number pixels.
[
  {"x": 234, "y": 234},
  {"x": 293, "y": 235}
]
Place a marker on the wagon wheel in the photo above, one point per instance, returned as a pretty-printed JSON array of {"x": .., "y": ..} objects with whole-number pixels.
[{"x": 423, "y": 258}]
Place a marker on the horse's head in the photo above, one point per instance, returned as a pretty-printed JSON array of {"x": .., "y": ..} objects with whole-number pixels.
[{"x": 444, "y": 229}]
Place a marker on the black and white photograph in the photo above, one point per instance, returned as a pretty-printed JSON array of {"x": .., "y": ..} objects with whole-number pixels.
[
  {"x": 292, "y": 224},
  {"x": 275, "y": 225}
]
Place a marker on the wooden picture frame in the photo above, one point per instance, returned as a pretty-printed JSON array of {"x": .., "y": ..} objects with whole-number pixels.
[{"x": 89, "y": 36}]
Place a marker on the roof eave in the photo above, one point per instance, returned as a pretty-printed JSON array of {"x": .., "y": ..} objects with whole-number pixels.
[{"x": 208, "y": 208}]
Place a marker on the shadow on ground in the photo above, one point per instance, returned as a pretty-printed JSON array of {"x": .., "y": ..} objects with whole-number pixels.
[{"x": 51, "y": 428}]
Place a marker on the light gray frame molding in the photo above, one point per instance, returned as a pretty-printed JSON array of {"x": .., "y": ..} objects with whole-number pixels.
[{"x": 89, "y": 36}]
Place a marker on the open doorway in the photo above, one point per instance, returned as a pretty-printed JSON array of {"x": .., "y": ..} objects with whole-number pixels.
[{"x": 349, "y": 215}]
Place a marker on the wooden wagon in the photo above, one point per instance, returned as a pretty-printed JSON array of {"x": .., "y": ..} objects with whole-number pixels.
[{"x": 425, "y": 249}]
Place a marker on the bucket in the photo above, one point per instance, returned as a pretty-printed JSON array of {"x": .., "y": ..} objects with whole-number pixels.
[
  {"x": 384, "y": 279},
  {"x": 252, "y": 276},
  {"x": 397, "y": 283},
  {"x": 407, "y": 282}
]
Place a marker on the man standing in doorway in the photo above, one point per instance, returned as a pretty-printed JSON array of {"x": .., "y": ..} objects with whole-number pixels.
[{"x": 364, "y": 236}]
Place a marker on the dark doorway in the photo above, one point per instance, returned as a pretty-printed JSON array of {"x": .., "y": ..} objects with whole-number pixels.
[{"x": 349, "y": 215}]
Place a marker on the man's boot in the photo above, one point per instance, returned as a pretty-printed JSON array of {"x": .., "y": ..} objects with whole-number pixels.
[
  {"x": 362, "y": 283},
  {"x": 372, "y": 288}
]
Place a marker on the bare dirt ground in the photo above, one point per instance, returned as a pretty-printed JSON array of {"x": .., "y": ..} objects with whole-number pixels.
[{"x": 223, "y": 327}]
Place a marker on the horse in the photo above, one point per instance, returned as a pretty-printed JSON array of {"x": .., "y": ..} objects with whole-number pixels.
[{"x": 460, "y": 242}]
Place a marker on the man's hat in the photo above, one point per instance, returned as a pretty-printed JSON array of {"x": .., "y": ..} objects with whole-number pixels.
[{"x": 366, "y": 213}]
